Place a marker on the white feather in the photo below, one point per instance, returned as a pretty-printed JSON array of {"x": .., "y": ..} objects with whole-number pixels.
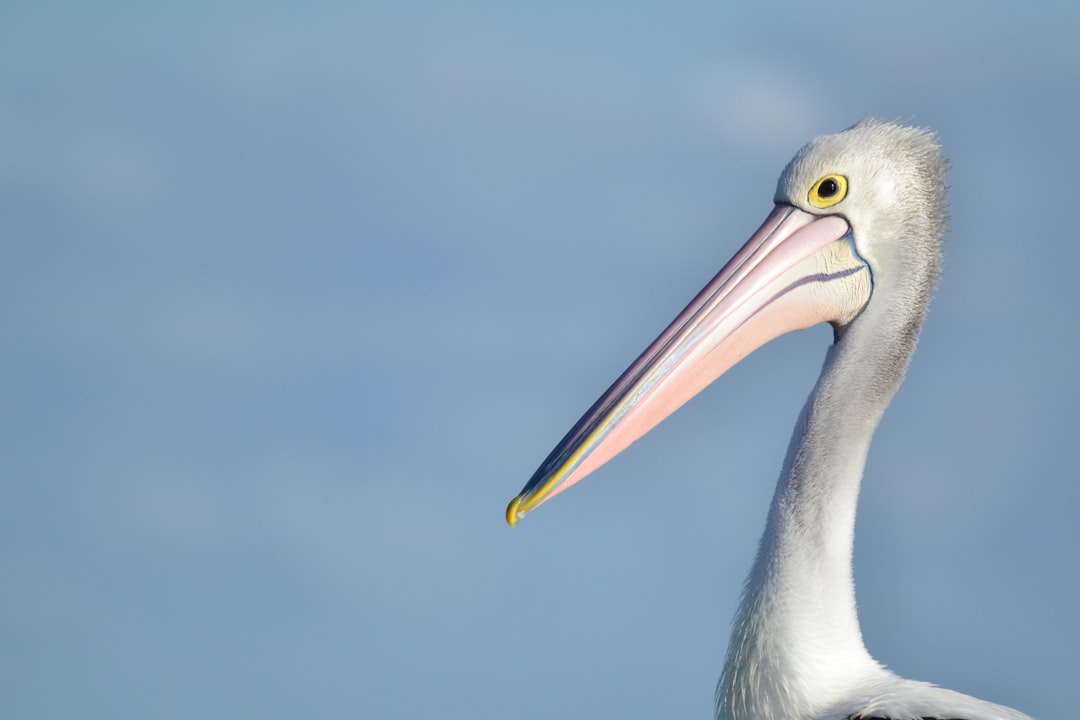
[{"x": 796, "y": 650}]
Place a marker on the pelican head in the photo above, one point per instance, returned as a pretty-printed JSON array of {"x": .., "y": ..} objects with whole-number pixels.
[{"x": 854, "y": 239}]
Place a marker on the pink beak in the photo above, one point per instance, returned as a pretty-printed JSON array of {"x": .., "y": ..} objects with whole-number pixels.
[{"x": 796, "y": 271}]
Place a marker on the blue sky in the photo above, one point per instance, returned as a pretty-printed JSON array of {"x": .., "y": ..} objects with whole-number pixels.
[{"x": 298, "y": 296}]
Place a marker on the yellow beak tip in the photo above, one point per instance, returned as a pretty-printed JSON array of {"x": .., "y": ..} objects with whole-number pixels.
[{"x": 512, "y": 513}]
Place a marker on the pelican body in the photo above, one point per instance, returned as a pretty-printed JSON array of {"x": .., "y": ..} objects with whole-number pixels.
[{"x": 854, "y": 240}]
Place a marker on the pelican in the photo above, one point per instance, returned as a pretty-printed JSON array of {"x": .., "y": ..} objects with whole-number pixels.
[{"x": 854, "y": 240}]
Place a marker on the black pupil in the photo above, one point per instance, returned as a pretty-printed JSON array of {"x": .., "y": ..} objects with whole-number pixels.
[{"x": 828, "y": 188}]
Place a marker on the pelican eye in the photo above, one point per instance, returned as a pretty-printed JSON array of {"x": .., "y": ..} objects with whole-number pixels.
[{"x": 828, "y": 191}]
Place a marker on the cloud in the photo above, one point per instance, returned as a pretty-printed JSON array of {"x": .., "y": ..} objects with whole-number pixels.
[
  {"x": 301, "y": 510},
  {"x": 203, "y": 322},
  {"x": 112, "y": 173},
  {"x": 752, "y": 104},
  {"x": 100, "y": 169}
]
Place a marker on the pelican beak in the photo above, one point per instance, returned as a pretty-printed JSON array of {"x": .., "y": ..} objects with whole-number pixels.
[{"x": 796, "y": 271}]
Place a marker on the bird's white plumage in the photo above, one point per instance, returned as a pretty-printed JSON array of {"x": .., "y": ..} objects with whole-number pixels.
[
  {"x": 796, "y": 650},
  {"x": 856, "y": 241}
]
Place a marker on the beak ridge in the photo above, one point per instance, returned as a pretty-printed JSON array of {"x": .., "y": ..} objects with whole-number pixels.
[{"x": 796, "y": 271}]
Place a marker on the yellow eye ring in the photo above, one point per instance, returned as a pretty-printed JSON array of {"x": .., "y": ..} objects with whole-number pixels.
[{"x": 828, "y": 191}]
